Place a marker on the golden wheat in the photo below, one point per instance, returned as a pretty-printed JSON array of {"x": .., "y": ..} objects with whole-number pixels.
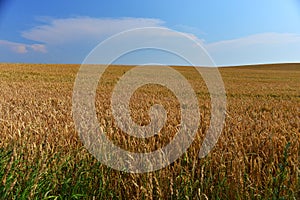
[{"x": 263, "y": 118}]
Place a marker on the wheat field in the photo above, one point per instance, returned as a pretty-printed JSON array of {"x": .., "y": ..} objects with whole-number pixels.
[{"x": 257, "y": 155}]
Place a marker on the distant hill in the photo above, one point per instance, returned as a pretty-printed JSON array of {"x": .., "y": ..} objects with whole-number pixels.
[{"x": 277, "y": 66}]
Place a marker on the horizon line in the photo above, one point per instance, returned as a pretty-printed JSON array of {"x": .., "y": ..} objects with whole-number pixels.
[{"x": 172, "y": 65}]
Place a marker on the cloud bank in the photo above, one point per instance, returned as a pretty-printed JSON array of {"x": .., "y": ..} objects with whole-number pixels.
[
  {"x": 69, "y": 40},
  {"x": 257, "y": 48},
  {"x": 63, "y": 31},
  {"x": 21, "y": 48}
]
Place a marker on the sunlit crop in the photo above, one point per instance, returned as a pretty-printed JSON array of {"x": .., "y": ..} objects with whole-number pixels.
[{"x": 256, "y": 157}]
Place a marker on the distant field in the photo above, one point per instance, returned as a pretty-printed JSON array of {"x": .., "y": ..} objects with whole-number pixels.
[{"x": 256, "y": 157}]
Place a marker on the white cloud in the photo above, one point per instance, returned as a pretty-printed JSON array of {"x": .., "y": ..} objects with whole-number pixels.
[
  {"x": 82, "y": 34},
  {"x": 189, "y": 29},
  {"x": 68, "y": 30},
  {"x": 257, "y": 48},
  {"x": 19, "y": 48},
  {"x": 71, "y": 39},
  {"x": 257, "y": 39},
  {"x": 38, "y": 47},
  {"x": 22, "y": 48}
]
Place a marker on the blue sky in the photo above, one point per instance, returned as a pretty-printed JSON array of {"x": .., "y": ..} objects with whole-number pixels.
[{"x": 233, "y": 32}]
